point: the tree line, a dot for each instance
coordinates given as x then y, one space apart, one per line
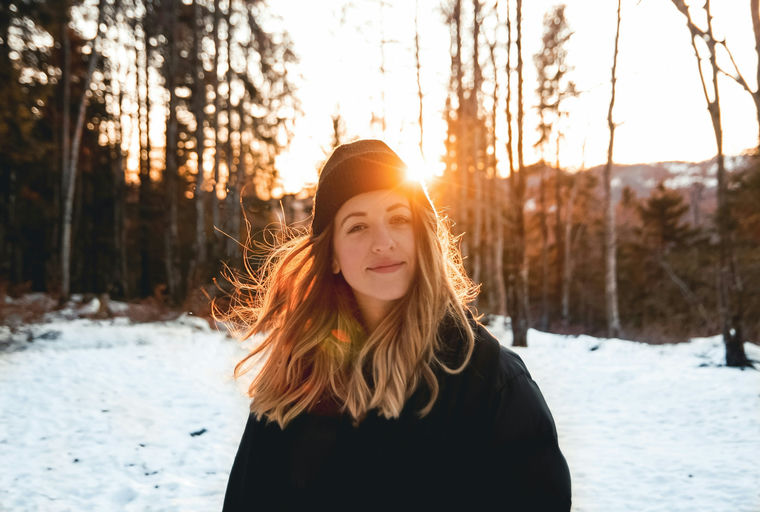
135 136
132 132
554 249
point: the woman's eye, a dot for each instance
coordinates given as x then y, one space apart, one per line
400 219
355 228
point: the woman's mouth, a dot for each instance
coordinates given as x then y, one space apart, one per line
387 268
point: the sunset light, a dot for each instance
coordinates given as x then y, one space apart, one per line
657 80
531 257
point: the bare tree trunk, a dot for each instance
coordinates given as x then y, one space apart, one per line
119 191
143 116
498 195
69 179
383 42
418 67
10 236
11 255
199 104
461 206
66 107
730 287
515 307
477 210
217 105
171 238
476 155
66 125
558 226
610 242
567 269
232 199
520 320
544 228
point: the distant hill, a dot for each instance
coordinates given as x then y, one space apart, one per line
642 178
696 181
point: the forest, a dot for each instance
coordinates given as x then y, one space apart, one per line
138 145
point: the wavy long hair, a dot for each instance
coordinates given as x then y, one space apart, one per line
316 351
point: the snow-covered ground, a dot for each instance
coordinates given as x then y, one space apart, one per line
108 415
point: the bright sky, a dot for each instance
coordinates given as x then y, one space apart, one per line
660 106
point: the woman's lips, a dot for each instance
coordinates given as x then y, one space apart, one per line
384 269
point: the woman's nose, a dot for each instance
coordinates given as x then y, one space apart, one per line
382 239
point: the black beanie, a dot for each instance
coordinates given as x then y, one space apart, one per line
355 168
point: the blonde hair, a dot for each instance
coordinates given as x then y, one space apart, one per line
316 348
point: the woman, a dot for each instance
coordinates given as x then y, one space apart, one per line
379 389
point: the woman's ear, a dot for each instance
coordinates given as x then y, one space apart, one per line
335 266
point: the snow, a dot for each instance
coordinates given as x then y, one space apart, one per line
657 428
111 415
98 415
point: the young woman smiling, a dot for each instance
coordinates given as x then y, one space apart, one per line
378 388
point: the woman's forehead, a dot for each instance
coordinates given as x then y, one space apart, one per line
375 201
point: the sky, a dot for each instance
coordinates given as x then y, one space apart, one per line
146 417
660 108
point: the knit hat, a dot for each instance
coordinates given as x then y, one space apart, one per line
355 168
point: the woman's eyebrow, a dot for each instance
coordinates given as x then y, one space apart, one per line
352 214
364 214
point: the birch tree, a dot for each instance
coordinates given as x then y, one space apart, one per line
610 242
730 287
70 170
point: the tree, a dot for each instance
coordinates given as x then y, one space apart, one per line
498 193
476 167
468 163
567 267
552 90
661 219
70 169
610 243
754 14
745 230
520 306
26 144
200 257
418 67
657 256
461 209
60 92
730 288
143 122
215 216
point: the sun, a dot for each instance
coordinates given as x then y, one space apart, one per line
417 168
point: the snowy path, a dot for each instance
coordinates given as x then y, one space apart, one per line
101 416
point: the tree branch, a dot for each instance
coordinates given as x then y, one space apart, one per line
699 68
739 78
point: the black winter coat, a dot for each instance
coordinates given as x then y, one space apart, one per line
489 443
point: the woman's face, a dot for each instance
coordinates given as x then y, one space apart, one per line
374 249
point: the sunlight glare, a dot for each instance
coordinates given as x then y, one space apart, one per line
417 168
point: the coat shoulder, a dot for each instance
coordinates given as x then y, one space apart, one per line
494 362
491 362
